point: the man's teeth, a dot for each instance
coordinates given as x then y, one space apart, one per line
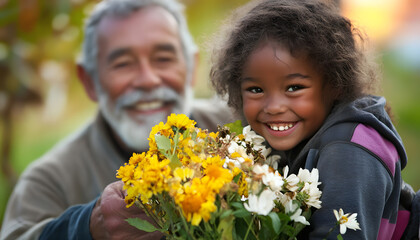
281 127
147 106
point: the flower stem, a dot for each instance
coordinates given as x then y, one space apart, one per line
331 230
184 222
249 227
152 216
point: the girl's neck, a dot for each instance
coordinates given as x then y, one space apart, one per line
293 153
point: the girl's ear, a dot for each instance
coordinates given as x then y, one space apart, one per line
87 82
332 94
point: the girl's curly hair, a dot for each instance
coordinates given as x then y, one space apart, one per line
311 28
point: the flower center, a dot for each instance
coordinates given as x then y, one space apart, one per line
343 219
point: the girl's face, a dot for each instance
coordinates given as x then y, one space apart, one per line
284 98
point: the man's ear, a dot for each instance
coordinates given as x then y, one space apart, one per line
87 82
194 75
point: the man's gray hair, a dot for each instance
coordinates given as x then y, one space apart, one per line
124 8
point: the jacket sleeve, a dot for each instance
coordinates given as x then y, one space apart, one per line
354 179
72 224
40 198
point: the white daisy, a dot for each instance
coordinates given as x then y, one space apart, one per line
296 211
312 195
273 161
261 204
291 182
346 221
252 136
309 176
274 180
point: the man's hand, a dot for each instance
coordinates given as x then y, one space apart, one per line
108 219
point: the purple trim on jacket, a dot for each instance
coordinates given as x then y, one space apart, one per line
369 138
402 222
386 229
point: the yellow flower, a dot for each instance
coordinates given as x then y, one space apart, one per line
196 201
218 175
213 135
184 173
202 134
216 160
162 129
180 121
132 193
136 158
126 172
235 155
196 159
242 183
151 177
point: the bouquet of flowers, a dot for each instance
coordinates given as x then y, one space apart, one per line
196 184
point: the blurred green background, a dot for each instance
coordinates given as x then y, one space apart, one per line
42 101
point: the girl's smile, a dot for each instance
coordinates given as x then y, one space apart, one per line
284 97
281 129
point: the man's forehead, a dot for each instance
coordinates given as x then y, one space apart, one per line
149 26
144 16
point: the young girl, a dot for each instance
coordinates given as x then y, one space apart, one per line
294 69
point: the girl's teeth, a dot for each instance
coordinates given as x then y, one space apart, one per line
281 128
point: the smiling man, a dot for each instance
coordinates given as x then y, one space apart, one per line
138 64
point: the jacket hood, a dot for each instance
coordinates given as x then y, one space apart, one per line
369 110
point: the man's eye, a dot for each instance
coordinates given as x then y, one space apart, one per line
165 58
254 90
122 64
294 88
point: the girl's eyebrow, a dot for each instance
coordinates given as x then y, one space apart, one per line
296 75
247 79
288 77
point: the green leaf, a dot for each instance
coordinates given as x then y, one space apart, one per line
186 133
143 225
237 177
194 135
237 205
164 145
275 222
226 227
339 237
174 162
241 213
226 213
235 127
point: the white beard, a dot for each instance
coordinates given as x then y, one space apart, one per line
134 132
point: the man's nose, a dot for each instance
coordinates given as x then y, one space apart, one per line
147 77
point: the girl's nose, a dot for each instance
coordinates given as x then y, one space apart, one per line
276 104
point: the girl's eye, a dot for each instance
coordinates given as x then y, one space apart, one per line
254 90
294 88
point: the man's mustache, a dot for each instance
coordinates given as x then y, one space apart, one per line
165 94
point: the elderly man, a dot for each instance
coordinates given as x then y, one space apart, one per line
138 63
